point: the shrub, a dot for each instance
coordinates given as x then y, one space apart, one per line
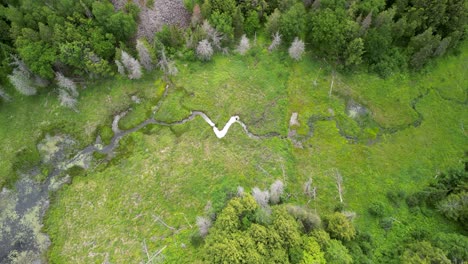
386 223
309 220
377 209
340 227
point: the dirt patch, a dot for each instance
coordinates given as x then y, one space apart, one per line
164 12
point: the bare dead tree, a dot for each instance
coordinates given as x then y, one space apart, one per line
4 95
155 255
339 184
443 45
366 23
308 188
307 3
66 83
276 190
196 15
131 65
215 36
157 218
67 100
240 191
331 85
316 77
204 224
316 4
21 78
120 68
261 197
297 49
144 55
166 65
68 92
244 45
276 42
204 50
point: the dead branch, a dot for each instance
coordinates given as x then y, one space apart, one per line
339 184
331 86
146 249
156 254
157 218
186 220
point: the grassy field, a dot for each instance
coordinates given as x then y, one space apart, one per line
168 174
26 120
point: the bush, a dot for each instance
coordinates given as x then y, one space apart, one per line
386 223
340 227
309 220
377 209
395 197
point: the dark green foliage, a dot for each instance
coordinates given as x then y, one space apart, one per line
448 194
38 55
223 23
171 37
354 52
330 31
77 36
455 245
238 23
252 23
395 197
423 252
422 48
377 209
132 9
455 207
293 23
272 24
386 223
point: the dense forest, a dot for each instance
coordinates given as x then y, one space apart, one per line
83 38
71 53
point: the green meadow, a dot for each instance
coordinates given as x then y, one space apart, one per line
161 178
